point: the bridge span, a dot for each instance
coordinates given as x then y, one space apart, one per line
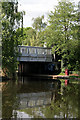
34 60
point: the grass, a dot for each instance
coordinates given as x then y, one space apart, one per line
62 73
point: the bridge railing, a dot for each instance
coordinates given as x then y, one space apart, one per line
37 53
34 50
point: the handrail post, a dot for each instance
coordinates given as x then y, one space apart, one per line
28 51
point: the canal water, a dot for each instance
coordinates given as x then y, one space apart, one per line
28 97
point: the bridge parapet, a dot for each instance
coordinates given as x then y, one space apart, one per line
38 54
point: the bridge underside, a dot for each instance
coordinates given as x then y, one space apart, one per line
26 68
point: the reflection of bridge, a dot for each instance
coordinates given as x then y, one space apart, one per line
34 57
34 54
30 100
35 92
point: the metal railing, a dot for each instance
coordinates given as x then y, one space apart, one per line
28 53
34 50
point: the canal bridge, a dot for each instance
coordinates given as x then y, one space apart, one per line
34 60
34 54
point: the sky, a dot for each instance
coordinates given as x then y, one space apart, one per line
37 8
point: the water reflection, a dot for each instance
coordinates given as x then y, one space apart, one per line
36 93
39 98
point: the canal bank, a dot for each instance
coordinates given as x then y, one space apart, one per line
71 76
56 76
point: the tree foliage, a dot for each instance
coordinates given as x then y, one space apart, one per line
61 34
11 20
33 36
28 37
39 25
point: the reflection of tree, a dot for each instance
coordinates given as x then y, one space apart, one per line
8 99
79 100
66 106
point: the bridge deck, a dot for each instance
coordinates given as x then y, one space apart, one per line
36 54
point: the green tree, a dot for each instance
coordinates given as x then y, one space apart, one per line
11 20
78 37
32 36
60 32
39 25
28 37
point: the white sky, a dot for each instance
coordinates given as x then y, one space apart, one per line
36 8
